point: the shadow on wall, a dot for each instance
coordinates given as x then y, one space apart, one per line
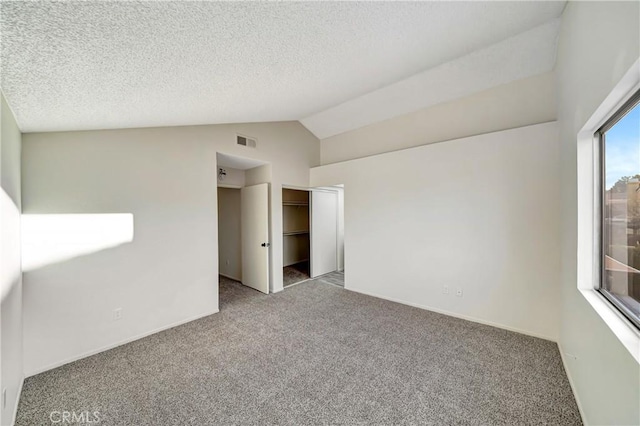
55 238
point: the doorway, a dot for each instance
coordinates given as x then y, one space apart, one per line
243 224
229 234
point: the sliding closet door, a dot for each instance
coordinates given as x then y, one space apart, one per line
324 232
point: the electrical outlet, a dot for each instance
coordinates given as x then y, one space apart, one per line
459 292
117 314
445 289
226 263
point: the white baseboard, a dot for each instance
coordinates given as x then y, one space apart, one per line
120 343
456 315
573 387
15 407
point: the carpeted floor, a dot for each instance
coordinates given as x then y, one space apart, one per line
313 354
295 273
335 278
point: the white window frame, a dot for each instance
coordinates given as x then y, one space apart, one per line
632 103
588 186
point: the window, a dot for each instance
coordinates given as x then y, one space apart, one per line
619 140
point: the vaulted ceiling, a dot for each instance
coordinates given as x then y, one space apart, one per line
335 66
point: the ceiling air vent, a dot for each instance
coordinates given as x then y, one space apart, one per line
245 141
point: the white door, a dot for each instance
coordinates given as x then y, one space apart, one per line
324 232
254 219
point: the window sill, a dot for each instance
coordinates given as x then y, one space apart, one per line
588 222
626 332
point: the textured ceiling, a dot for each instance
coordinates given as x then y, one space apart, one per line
97 65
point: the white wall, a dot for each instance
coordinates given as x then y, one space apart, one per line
258 175
516 104
598 43
166 178
11 372
233 177
229 237
479 213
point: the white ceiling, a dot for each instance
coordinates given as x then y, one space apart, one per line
239 163
97 65
521 56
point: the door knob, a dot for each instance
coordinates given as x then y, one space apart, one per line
266 244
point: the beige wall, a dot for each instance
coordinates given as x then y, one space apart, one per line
11 373
516 104
229 237
233 177
480 214
166 178
258 175
598 43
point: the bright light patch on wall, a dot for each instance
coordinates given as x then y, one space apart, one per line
52 238
9 244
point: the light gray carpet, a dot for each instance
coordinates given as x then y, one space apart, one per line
313 354
335 278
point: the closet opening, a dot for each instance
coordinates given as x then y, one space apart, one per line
296 241
313 234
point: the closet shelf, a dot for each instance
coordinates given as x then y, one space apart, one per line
295 203
295 233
